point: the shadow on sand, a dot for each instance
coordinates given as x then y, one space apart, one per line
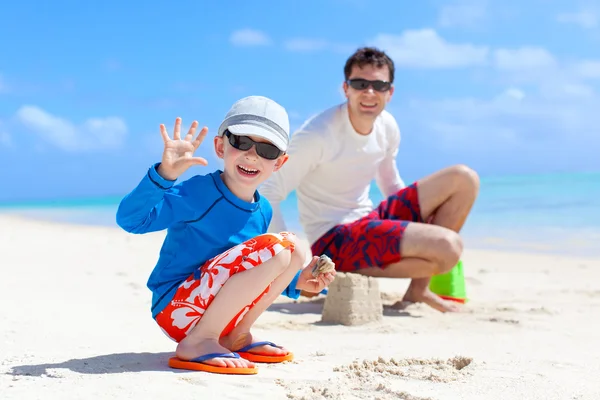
139 362
315 306
105 364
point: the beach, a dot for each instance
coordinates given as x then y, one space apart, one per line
76 324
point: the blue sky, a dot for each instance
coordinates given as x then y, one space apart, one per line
505 88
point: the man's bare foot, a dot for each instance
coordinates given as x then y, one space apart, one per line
187 351
236 341
418 292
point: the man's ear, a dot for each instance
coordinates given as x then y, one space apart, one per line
219 146
280 161
345 87
390 93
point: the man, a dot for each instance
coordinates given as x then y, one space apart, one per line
336 155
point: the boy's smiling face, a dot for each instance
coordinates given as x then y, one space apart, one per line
244 171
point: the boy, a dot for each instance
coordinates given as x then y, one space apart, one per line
218 269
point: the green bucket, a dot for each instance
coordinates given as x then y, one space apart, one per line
451 285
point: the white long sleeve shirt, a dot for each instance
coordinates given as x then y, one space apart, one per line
331 167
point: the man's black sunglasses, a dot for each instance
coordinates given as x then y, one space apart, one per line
244 143
362 84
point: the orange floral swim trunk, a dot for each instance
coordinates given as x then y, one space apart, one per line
194 295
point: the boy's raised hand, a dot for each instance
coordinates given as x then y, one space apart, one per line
178 154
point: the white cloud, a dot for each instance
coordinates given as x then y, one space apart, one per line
426 49
249 37
586 19
550 77
577 90
547 109
509 121
413 48
588 69
94 133
537 68
524 58
463 13
514 93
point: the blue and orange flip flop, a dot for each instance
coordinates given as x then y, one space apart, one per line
197 364
263 358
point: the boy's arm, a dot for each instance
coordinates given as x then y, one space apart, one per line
291 290
153 205
388 177
305 152
315 286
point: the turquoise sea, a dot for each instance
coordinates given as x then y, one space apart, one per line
553 213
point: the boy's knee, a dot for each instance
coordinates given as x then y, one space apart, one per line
300 246
282 259
298 252
301 252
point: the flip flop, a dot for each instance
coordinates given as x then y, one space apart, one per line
263 358
197 364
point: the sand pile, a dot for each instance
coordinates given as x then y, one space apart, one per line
380 379
436 370
352 300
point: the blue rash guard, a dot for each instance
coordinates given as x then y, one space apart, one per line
203 218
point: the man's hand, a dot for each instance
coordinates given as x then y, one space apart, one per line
309 283
178 154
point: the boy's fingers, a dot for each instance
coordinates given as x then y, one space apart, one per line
327 278
177 129
164 133
199 161
200 138
191 131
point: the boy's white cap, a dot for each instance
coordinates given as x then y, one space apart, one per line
258 116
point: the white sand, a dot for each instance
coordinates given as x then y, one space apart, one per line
75 324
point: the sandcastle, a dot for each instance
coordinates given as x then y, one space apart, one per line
352 299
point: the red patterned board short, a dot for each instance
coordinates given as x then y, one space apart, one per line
194 295
373 240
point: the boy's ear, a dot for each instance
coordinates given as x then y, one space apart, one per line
219 146
280 161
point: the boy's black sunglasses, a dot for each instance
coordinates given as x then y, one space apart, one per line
244 143
362 84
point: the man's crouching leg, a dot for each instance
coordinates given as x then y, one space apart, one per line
424 250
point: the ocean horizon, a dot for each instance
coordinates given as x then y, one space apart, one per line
555 213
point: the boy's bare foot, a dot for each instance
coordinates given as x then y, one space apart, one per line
187 351
236 341
418 292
